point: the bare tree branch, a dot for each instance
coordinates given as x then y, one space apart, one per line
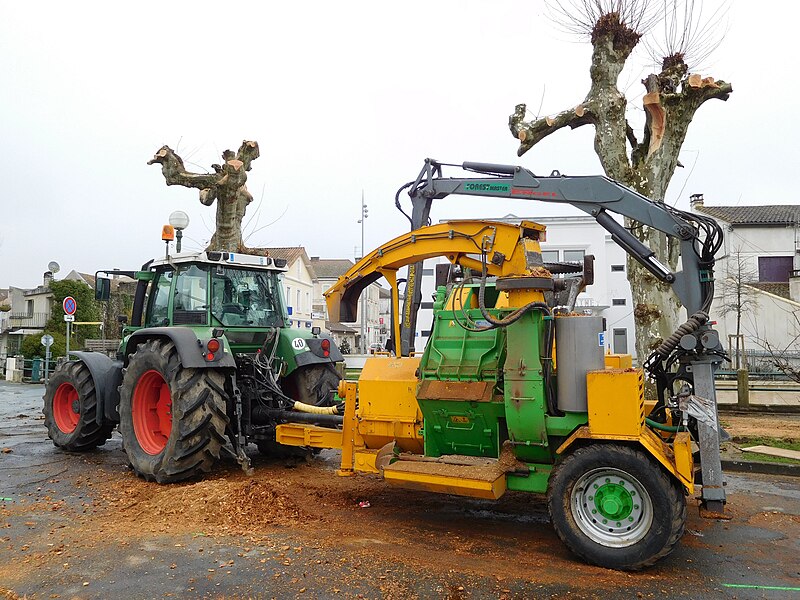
671 99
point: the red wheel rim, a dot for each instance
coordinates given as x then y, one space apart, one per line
152 412
66 407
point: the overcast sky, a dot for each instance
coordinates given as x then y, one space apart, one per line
341 97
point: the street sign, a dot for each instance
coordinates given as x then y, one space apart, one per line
70 306
47 340
69 318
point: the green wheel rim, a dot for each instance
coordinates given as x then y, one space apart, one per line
611 507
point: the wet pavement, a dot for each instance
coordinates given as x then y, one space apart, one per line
59 537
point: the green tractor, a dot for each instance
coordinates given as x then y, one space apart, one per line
209 363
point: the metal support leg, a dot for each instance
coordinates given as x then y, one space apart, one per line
713 493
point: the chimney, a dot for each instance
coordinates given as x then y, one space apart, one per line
695 201
47 278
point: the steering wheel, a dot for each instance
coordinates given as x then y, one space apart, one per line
233 307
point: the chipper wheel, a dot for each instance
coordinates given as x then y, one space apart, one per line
615 507
70 409
172 419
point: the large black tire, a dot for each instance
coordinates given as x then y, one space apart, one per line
615 507
313 384
70 409
172 419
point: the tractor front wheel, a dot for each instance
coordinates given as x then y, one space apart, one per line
70 409
615 507
172 419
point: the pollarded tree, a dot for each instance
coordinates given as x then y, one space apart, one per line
227 185
672 97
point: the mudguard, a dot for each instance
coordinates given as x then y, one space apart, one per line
186 343
107 377
299 349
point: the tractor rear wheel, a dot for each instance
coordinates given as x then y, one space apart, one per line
615 507
70 409
313 384
172 419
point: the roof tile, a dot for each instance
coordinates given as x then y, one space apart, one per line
768 215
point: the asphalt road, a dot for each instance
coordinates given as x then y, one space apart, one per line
83 526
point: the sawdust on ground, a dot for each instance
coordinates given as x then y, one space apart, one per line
762 425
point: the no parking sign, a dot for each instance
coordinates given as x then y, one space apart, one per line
70 306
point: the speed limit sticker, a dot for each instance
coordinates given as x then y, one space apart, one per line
299 344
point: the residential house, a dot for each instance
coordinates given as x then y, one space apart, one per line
328 272
298 286
30 311
757 278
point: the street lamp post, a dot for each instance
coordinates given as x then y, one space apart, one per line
180 221
364 215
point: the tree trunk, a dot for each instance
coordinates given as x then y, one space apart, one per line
670 102
227 185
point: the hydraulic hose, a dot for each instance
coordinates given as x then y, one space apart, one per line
662 426
695 322
316 410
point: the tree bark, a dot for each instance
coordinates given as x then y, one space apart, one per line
670 103
227 185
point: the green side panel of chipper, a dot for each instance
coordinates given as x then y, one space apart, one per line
458 392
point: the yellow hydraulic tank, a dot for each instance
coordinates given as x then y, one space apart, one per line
387 403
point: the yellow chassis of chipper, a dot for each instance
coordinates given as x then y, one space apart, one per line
383 424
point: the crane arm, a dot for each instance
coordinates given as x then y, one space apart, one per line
596 195
506 246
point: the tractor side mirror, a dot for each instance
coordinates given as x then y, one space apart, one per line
102 288
315 331
122 319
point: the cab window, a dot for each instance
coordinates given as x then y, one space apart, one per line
190 303
158 310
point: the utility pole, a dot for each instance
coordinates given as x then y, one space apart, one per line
364 215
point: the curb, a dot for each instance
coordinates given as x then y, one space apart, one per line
759 409
765 468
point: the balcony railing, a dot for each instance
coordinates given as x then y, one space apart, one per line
35 320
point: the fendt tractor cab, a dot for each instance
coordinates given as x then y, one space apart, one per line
210 362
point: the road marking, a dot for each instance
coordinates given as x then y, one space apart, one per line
761 587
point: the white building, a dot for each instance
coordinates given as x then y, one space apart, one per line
759 261
298 286
327 273
30 311
569 239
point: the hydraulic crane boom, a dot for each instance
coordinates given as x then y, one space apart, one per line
596 195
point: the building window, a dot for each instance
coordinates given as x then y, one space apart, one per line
573 255
426 305
618 302
618 268
29 308
426 333
774 268
427 272
549 256
299 307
